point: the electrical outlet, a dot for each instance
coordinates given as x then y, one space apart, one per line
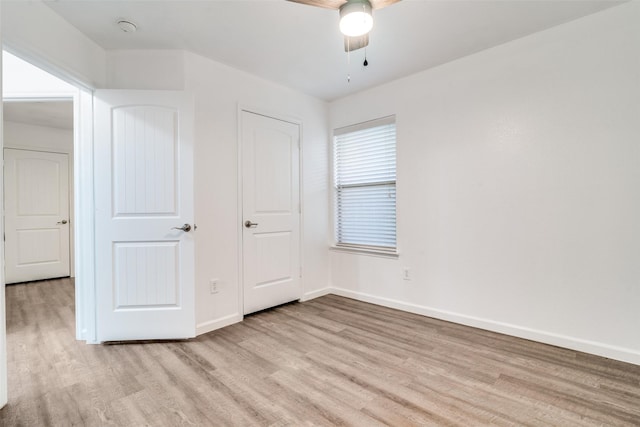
213 286
406 273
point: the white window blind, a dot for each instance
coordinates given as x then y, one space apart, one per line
365 185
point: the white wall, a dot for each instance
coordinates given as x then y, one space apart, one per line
518 188
219 91
34 137
34 31
138 69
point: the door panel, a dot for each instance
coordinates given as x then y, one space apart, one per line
37 246
36 215
144 160
139 264
273 258
144 193
271 201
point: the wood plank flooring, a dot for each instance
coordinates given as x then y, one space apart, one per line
330 361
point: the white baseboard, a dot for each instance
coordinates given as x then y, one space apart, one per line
316 294
212 325
592 347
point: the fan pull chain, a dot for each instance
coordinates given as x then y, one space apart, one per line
348 59
364 13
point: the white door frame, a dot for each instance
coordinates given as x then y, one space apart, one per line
284 118
83 206
84 211
82 190
3 316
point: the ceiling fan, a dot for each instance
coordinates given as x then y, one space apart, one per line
356 18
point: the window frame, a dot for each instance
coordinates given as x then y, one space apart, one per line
383 251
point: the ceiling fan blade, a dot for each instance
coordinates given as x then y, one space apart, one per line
335 4
327 4
379 4
355 43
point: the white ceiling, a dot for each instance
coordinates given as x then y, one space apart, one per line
57 114
300 46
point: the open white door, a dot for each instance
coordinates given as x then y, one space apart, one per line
36 218
143 195
271 211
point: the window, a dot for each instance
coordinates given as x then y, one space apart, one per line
365 185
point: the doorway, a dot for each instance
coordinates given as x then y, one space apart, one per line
26 86
25 82
38 172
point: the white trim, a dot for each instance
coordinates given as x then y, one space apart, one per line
84 212
592 347
316 294
240 212
212 325
48 64
3 336
301 205
3 316
363 250
288 119
40 150
267 113
39 97
382 121
331 189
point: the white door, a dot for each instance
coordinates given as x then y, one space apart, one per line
36 215
143 195
271 211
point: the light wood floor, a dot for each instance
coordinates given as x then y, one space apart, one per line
330 361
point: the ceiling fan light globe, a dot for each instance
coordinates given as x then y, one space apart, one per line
356 18
356 24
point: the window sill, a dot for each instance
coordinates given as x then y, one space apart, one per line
365 251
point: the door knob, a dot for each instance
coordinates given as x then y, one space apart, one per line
186 228
64 221
250 224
